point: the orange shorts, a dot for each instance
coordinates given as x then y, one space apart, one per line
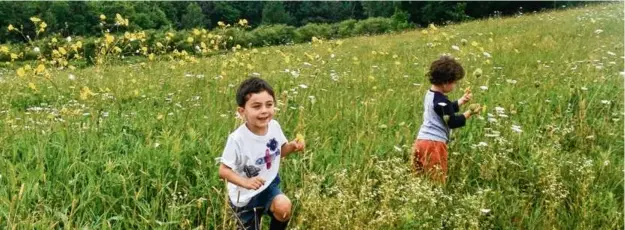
431 157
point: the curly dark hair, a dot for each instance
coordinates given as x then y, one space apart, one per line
252 85
445 70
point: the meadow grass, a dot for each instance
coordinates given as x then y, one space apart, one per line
138 148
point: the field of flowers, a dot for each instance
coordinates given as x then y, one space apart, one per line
134 145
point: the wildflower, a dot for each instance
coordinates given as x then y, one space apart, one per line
477 72
36 49
312 99
102 17
605 102
21 72
456 48
516 128
303 86
11 28
487 55
484 88
85 92
299 138
71 77
32 86
598 31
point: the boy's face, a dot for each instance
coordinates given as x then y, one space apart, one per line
258 109
448 87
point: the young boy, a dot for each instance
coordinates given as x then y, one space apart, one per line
251 159
439 117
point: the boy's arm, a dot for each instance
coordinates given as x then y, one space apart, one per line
445 109
456 106
290 147
228 174
230 159
286 149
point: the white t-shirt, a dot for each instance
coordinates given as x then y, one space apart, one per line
247 154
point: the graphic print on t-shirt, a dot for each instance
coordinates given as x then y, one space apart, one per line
271 153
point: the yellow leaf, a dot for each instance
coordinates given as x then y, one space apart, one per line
79 44
21 72
151 57
190 40
102 17
11 27
43 25
136 92
159 117
35 19
54 40
13 56
4 49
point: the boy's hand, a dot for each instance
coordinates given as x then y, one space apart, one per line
253 183
474 109
466 97
299 143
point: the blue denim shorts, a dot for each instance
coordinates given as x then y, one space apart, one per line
249 215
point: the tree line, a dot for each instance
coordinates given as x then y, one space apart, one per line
83 18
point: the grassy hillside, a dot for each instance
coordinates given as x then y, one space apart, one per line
134 146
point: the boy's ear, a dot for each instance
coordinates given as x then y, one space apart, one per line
240 110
